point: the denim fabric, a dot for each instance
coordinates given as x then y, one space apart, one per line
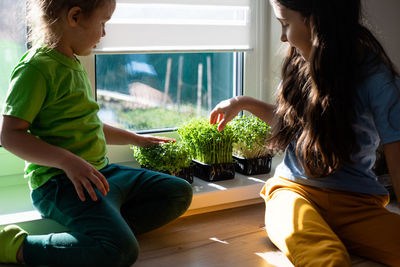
103 232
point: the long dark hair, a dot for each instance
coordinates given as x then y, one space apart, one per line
315 102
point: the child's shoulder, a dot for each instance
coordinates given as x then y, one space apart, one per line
378 83
36 59
376 75
36 55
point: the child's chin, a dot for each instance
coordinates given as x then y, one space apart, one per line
85 53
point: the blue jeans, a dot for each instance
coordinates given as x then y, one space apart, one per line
103 232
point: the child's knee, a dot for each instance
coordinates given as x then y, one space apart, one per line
185 193
122 253
130 254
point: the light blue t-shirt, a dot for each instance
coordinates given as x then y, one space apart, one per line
378 120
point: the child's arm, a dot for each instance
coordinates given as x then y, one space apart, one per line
117 136
16 139
226 110
392 156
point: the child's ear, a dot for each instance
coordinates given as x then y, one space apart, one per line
74 15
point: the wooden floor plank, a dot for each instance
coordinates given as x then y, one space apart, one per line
234 238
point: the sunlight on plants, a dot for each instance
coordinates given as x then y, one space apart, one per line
251 136
205 143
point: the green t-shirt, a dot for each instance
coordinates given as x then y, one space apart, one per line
53 93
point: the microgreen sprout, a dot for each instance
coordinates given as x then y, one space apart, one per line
170 157
205 143
251 137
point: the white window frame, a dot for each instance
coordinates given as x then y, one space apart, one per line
261 65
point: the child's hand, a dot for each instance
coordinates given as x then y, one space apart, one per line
224 112
84 176
145 141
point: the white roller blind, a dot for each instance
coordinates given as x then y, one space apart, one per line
179 25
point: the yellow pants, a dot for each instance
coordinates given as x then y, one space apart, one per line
319 227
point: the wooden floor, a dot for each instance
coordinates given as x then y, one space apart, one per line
233 238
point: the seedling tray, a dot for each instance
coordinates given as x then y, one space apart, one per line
185 173
214 172
252 166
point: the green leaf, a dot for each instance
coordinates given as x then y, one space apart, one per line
251 137
171 157
205 143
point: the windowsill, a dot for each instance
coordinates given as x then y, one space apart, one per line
212 196
243 190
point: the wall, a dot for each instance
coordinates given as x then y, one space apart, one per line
383 18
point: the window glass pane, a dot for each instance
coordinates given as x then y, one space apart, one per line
12 40
158 91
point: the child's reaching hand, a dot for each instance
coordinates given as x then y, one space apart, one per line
146 140
224 112
117 136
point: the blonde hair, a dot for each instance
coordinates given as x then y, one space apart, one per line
43 18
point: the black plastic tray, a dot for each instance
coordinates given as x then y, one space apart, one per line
253 166
214 172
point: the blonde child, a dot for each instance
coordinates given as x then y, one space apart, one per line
338 99
50 120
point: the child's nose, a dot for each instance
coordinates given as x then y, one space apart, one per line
283 38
